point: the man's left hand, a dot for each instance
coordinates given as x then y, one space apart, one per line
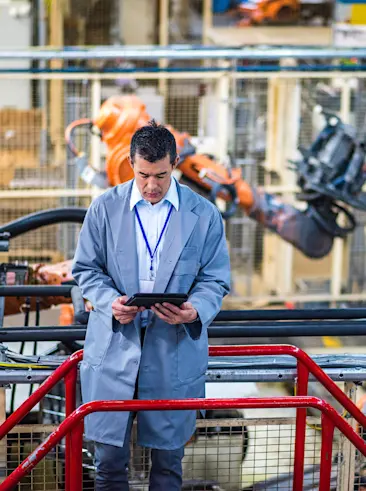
175 315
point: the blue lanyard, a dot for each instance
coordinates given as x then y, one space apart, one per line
152 254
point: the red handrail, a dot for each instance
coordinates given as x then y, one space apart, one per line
68 371
61 372
305 365
74 424
308 364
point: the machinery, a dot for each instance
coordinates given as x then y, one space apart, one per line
330 172
258 12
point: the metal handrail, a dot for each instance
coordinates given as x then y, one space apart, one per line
305 366
68 371
73 426
282 350
180 53
265 329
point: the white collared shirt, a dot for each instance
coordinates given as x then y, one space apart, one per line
153 218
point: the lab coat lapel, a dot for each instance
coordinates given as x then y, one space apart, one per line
127 248
179 230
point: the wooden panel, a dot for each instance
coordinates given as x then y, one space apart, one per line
280 36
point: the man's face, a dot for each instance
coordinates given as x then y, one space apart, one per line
153 179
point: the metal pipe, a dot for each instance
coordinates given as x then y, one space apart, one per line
36 291
284 314
76 458
250 330
300 435
202 69
73 422
180 53
42 84
257 318
326 453
279 375
42 218
70 406
288 329
213 375
52 333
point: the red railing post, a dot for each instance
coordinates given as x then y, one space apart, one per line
76 463
70 406
326 453
300 434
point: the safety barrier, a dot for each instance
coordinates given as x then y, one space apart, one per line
66 371
305 366
73 426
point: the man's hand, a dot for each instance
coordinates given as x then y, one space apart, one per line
175 315
122 313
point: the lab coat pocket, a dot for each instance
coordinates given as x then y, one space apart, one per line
192 355
97 340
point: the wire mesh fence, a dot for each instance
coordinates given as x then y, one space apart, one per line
227 454
246 120
49 244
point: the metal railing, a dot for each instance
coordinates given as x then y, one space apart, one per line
239 329
66 371
181 53
305 366
73 426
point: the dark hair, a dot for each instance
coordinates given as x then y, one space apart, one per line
153 142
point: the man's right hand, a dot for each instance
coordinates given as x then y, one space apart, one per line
122 313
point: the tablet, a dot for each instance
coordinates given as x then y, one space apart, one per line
150 299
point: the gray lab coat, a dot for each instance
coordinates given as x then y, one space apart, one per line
174 359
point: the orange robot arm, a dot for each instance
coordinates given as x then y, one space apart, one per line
121 116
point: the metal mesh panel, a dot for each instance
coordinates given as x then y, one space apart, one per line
358 466
356 242
249 135
317 92
33 152
47 244
48 474
91 23
182 105
247 145
33 155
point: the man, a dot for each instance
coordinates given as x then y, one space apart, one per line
148 235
